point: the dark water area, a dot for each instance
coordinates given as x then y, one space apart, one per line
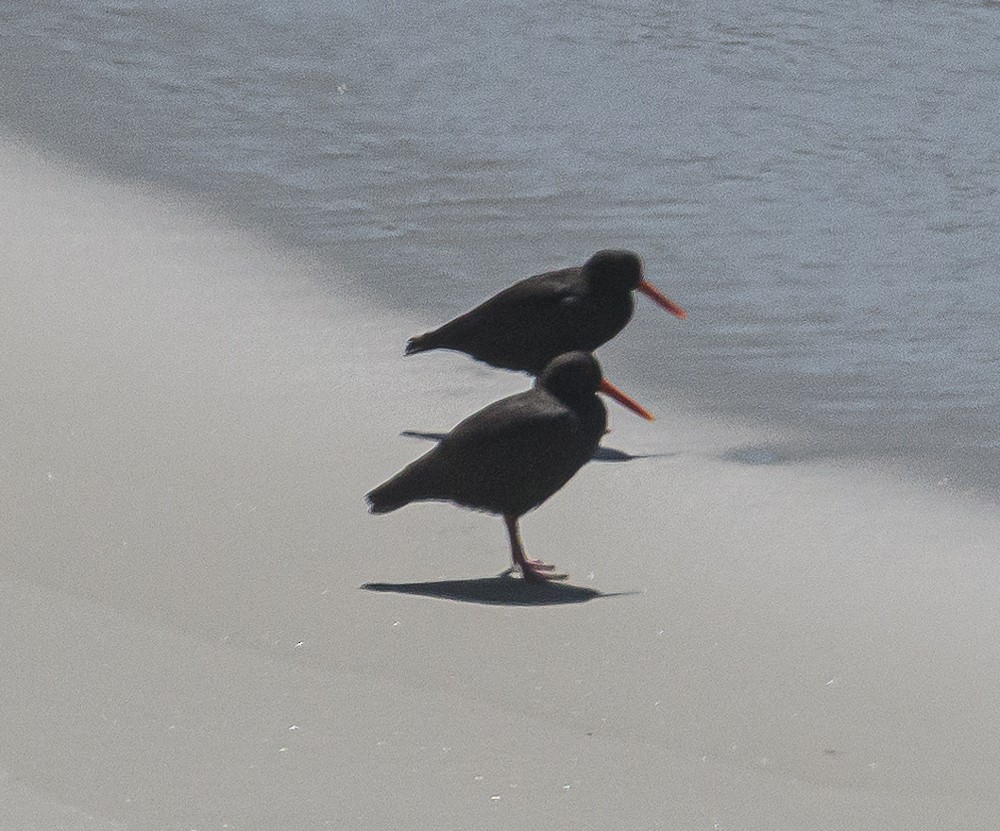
818 185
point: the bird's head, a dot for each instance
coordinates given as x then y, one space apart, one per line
612 271
573 376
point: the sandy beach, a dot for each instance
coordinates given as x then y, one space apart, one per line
192 417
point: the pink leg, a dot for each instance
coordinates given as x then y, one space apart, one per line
533 570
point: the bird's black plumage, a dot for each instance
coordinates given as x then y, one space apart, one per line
512 455
528 324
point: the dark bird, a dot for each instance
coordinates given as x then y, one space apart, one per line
528 324
512 455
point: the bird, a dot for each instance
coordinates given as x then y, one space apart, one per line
529 323
512 455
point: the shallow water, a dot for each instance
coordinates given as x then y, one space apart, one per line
818 185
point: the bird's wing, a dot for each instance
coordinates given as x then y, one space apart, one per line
513 443
531 416
521 327
542 295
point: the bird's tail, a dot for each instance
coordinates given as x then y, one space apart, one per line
388 496
421 343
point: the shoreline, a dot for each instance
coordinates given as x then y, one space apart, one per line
196 419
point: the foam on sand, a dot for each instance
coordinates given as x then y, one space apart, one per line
191 421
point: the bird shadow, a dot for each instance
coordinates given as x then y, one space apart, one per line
502 590
602 454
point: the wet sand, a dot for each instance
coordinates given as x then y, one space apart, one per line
201 626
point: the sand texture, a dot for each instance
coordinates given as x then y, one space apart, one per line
191 419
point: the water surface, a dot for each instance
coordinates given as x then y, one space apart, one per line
817 184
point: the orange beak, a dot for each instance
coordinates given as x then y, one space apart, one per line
612 391
660 299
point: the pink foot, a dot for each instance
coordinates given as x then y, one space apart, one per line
539 573
538 564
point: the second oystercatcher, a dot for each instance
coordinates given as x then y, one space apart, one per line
528 324
512 455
